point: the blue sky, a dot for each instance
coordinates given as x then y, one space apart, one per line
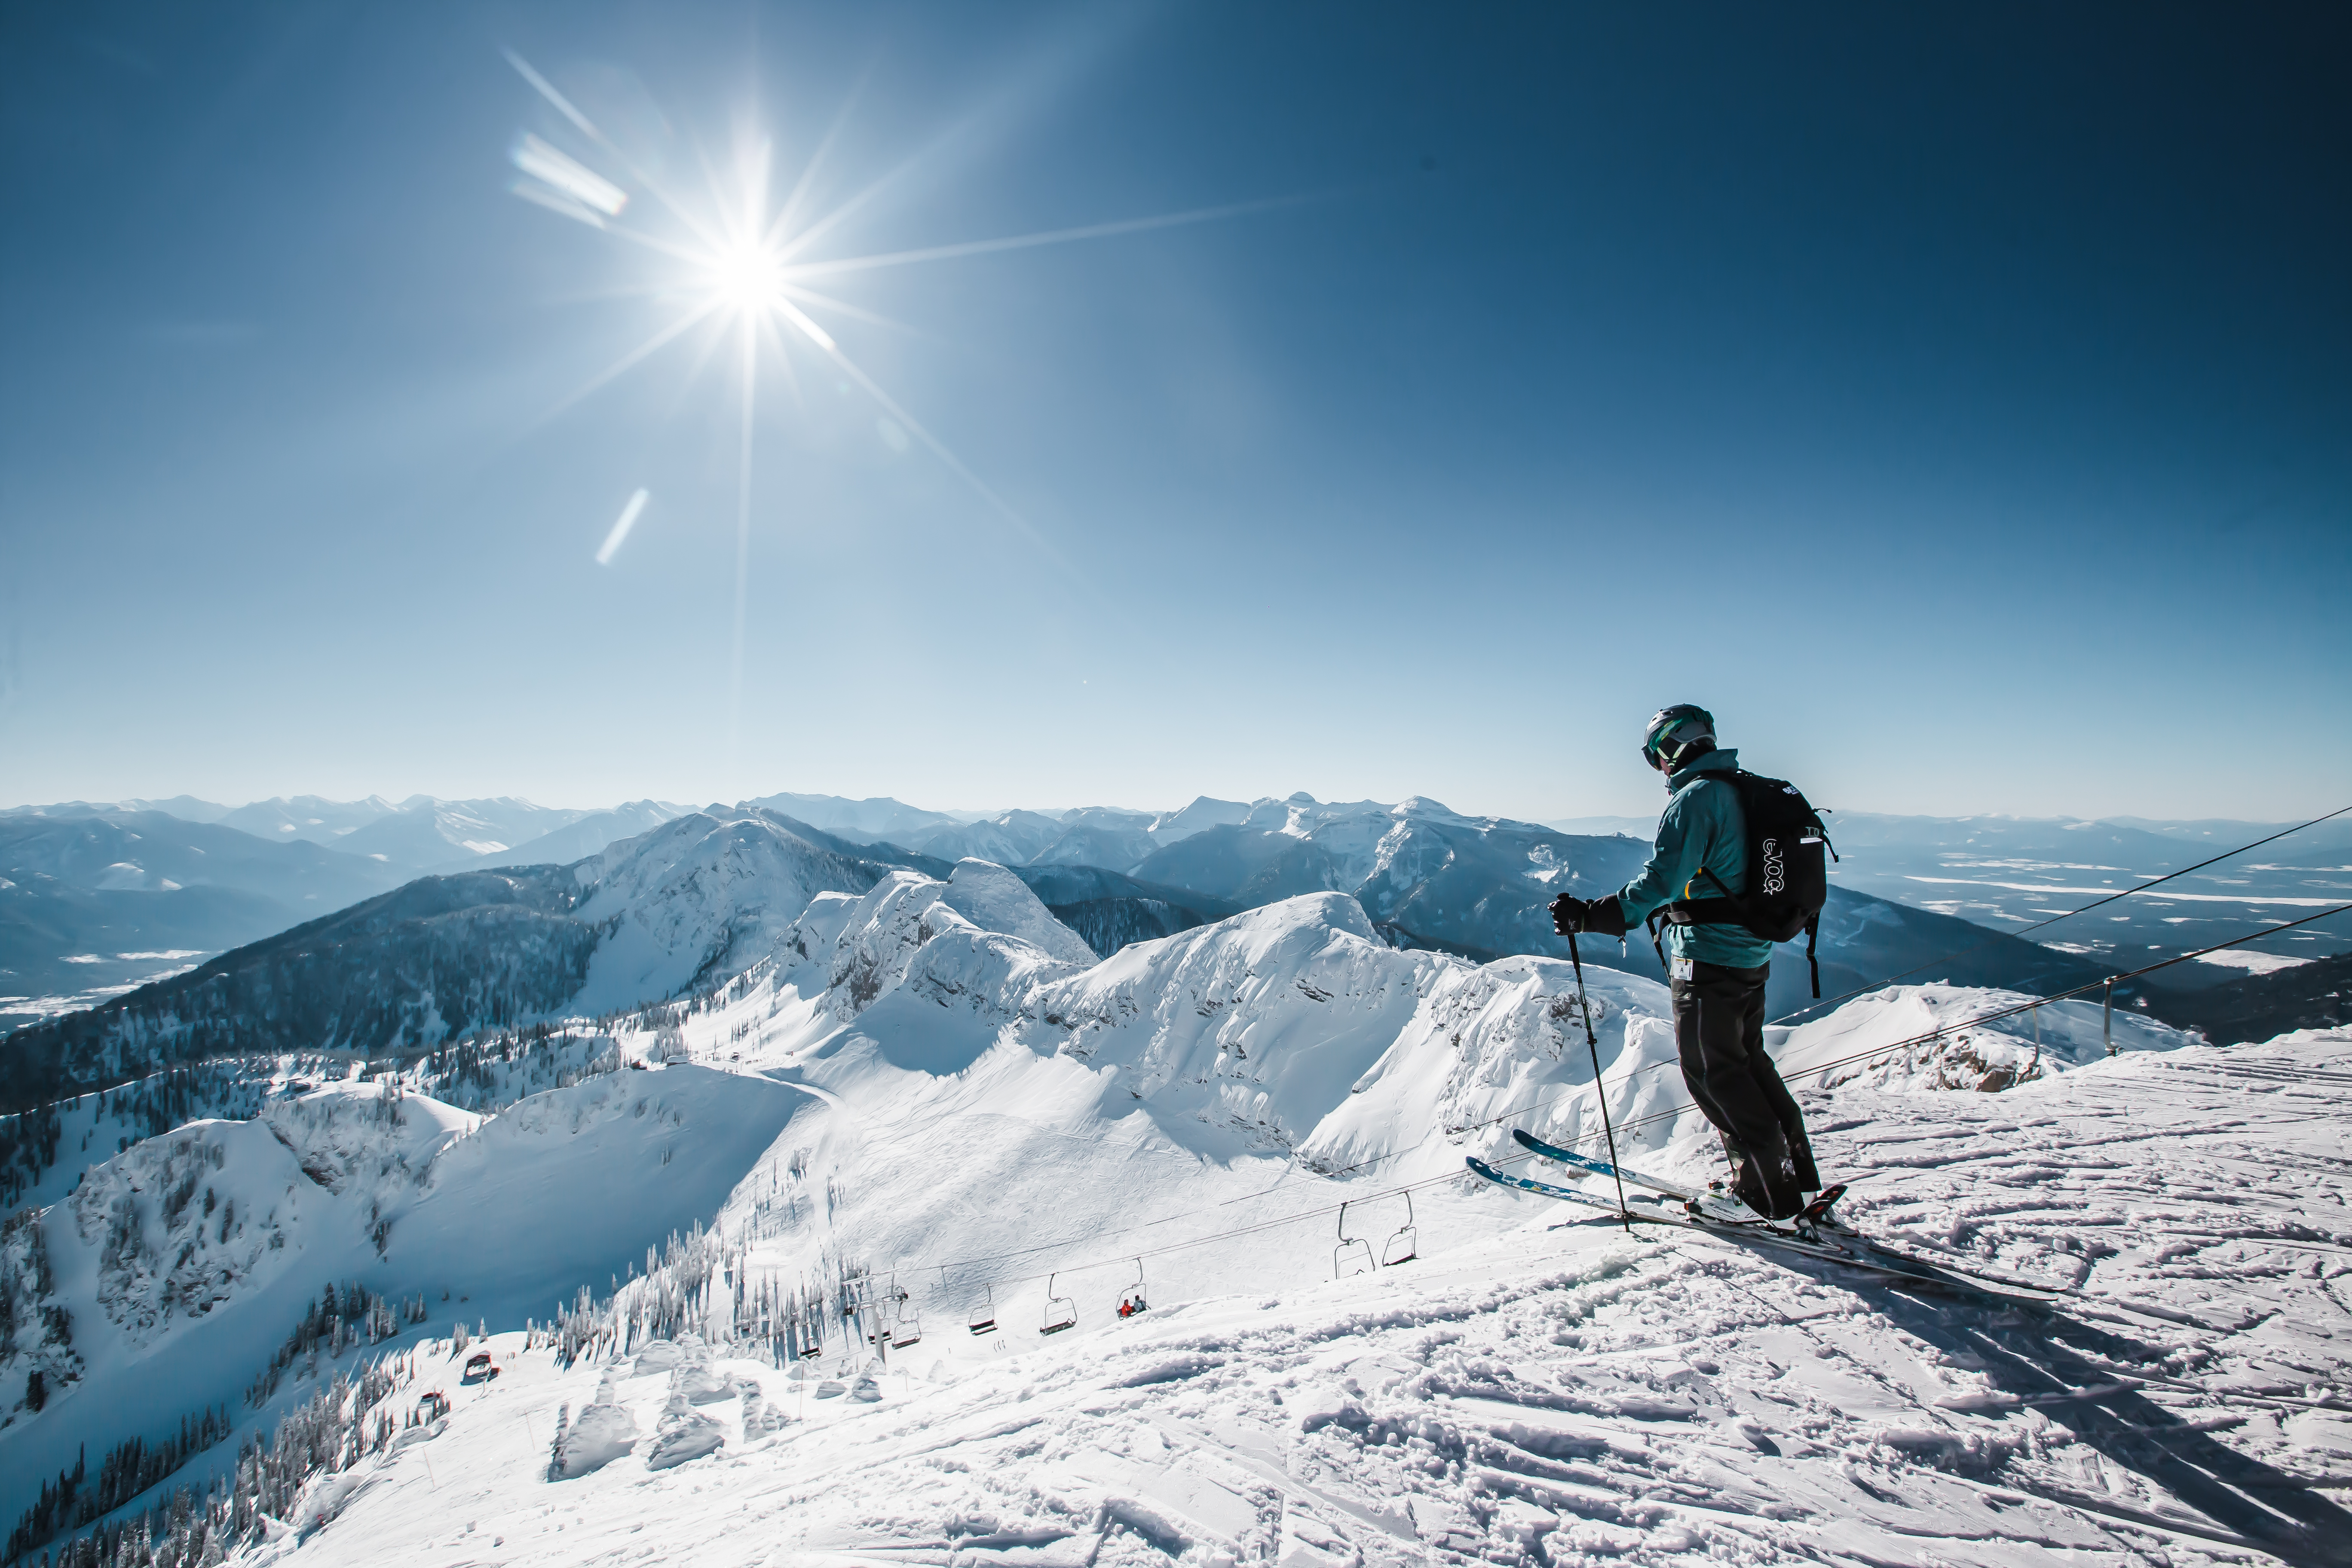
1957 403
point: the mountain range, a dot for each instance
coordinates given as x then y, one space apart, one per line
101 898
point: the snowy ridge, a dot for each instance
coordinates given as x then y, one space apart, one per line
688 902
694 897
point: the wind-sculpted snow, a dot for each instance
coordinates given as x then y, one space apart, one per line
598 1435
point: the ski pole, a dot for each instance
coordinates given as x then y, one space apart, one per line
1592 1043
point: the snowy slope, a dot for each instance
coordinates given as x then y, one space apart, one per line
912 1077
994 900
1528 1395
178 1300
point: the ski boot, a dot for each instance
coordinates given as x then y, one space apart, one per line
1721 1205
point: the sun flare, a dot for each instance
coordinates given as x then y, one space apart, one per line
736 257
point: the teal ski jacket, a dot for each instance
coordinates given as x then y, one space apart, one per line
1702 826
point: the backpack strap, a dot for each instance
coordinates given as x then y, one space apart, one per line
1703 912
1730 910
1812 931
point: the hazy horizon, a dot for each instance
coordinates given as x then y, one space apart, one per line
976 812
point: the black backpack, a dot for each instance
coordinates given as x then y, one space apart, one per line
1788 872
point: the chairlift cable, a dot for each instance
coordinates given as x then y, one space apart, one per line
2068 915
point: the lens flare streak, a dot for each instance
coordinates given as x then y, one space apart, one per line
744 265
627 520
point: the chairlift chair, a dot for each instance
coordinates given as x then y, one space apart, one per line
1133 1303
1351 1250
1405 1245
1061 1312
982 1317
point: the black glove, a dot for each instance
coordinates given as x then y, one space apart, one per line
1605 917
1602 917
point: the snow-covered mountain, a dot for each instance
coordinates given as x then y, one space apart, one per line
1204 813
1102 836
928 1079
443 955
473 949
870 821
154 851
588 836
1009 838
311 818
186 807
422 833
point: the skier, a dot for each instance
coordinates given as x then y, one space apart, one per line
1717 970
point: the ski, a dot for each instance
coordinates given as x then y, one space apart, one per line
1761 1233
1714 1206
1542 1189
1600 1167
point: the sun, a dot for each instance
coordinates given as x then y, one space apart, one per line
747 278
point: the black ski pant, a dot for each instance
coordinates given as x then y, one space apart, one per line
1719 1034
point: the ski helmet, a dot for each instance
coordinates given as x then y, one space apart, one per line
1677 736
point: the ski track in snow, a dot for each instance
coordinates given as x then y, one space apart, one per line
1555 1393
